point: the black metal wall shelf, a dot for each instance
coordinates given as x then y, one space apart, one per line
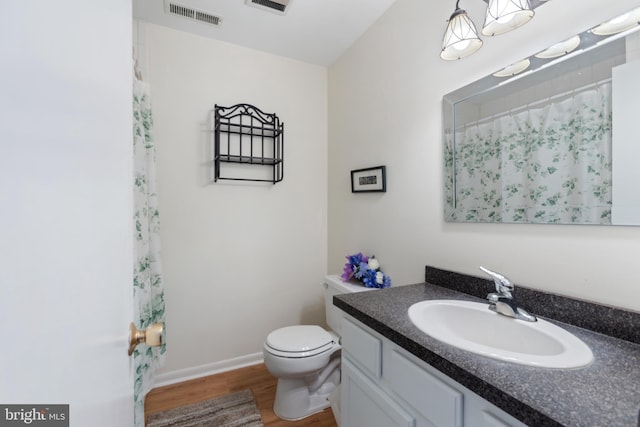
245 135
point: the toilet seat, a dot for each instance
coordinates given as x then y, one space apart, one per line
299 341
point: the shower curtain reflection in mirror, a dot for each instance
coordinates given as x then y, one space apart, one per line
547 163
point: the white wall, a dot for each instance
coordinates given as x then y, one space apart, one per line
239 260
385 108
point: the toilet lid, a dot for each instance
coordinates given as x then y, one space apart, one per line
299 341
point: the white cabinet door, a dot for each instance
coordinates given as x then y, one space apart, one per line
434 397
364 404
480 413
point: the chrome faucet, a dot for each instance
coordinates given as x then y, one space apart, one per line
503 301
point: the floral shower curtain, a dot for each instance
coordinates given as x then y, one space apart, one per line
510 169
148 291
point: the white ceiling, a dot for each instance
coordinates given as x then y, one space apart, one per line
314 31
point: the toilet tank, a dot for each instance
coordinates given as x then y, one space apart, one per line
333 285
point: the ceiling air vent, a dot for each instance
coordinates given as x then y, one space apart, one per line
190 13
278 6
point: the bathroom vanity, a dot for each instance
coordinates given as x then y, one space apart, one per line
393 374
385 385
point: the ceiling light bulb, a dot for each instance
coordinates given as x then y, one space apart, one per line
461 45
505 19
506 15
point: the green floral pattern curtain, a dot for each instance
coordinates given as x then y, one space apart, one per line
544 165
147 280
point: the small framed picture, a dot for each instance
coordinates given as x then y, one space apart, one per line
369 180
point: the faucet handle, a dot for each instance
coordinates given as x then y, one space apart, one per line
503 285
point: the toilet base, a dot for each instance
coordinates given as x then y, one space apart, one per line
293 401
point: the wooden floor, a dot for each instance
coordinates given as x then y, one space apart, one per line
256 378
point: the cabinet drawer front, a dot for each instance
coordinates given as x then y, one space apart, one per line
363 347
366 405
440 403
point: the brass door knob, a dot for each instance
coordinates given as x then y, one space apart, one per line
152 336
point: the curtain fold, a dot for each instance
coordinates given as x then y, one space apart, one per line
148 293
543 165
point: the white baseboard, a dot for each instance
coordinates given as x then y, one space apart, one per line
187 374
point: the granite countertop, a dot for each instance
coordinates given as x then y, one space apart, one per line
604 393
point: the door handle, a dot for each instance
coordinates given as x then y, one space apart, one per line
152 336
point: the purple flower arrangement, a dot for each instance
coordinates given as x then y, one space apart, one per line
367 270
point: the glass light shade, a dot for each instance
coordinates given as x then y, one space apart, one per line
460 38
506 15
619 24
513 69
560 49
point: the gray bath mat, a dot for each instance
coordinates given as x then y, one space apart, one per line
231 410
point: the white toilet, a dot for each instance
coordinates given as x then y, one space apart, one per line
306 360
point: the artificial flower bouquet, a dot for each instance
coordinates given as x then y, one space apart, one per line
366 269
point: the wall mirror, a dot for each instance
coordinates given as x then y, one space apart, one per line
551 139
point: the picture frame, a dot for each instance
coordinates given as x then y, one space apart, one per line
369 180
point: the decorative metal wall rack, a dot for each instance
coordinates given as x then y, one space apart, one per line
245 135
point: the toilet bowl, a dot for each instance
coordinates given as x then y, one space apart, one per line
306 360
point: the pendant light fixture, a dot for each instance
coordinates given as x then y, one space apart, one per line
461 37
506 15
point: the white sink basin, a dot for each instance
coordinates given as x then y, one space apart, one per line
473 327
